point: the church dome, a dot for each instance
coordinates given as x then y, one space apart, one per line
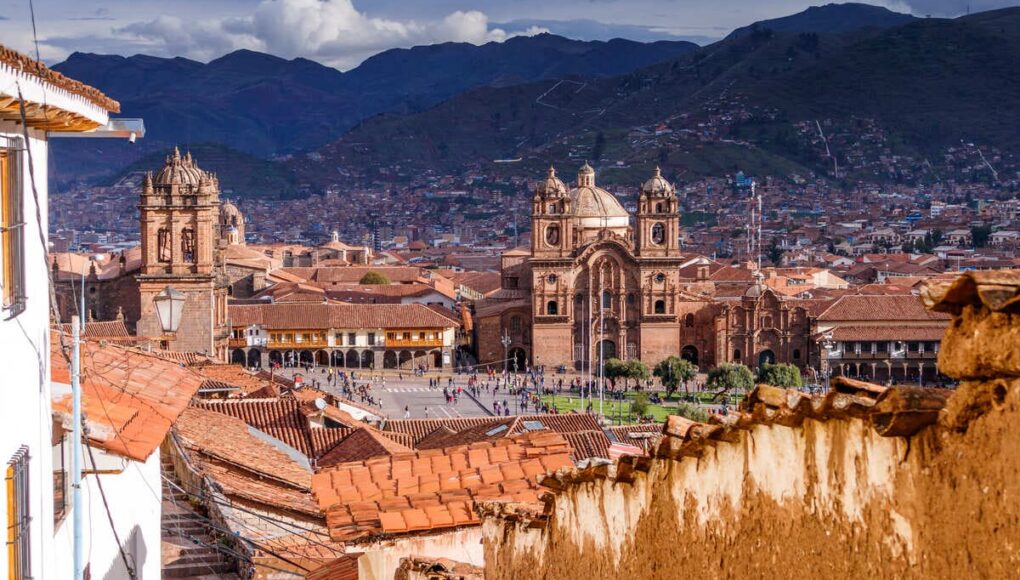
595 206
179 170
552 186
657 185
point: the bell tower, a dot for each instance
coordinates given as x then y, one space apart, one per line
179 211
658 219
551 230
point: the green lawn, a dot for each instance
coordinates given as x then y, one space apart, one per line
612 409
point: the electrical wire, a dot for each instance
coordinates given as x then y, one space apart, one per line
278 523
102 493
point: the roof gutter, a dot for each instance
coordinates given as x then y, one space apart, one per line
120 128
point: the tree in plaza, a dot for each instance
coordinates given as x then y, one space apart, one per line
673 372
730 376
615 368
636 370
780 375
639 405
373 277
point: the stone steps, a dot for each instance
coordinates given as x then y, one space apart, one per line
188 548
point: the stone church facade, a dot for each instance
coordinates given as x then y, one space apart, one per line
598 283
183 232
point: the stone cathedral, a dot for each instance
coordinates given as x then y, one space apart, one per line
598 282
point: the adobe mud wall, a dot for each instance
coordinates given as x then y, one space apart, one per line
822 499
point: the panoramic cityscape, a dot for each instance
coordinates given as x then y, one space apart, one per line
456 289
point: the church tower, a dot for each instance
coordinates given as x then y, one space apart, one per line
551 226
179 211
658 219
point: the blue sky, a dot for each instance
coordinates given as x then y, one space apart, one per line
342 33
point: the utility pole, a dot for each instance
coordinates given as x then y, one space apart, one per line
76 503
602 337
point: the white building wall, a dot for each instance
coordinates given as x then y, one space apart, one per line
24 384
134 495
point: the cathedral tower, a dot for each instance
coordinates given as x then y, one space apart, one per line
179 210
551 226
658 219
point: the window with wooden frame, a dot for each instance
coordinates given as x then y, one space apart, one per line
19 563
12 228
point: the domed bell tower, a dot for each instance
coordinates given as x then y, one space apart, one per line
179 212
551 228
658 219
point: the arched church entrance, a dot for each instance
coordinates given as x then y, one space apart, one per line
689 353
605 350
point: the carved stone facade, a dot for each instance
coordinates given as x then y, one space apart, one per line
598 283
180 230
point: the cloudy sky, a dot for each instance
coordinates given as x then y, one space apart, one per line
342 33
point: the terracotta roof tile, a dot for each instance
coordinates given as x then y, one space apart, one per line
440 493
130 398
228 439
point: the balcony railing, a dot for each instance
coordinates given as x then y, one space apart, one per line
237 342
298 344
411 343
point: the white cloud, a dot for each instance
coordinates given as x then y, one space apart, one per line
330 31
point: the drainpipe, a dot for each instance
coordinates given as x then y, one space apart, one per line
76 503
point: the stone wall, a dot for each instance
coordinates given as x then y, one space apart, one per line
864 482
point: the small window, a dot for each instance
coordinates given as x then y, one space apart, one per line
689 321
658 234
631 298
736 354
188 245
19 563
607 299
551 278
371 339
796 354
551 308
515 324
660 306
407 336
352 338
421 336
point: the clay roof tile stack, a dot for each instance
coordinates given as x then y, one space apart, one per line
434 489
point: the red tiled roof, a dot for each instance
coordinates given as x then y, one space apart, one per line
229 439
282 419
897 332
421 428
884 308
363 443
644 436
316 316
31 66
434 489
130 398
588 444
100 329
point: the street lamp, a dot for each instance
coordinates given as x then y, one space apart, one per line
169 305
826 349
505 341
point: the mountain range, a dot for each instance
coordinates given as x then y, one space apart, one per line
267 106
930 81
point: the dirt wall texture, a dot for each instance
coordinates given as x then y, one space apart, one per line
797 488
